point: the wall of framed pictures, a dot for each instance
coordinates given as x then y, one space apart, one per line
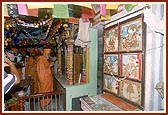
124 60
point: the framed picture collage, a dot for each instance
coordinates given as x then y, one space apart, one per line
124 60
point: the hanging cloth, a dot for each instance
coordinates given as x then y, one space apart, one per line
111 6
103 9
13 10
40 5
74 11
153 23
5 10
87 13
45 13
107 16
33 12
61 11
83 38
23 9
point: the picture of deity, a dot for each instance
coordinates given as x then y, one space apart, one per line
110 84
111 40
131 91
111 64
131 66
131 36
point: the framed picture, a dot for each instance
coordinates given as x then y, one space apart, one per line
131 65
111 64
131 91
111 39
110 84
131 35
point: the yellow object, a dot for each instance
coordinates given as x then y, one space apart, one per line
87 65
84 5
111 6
107 17
34 5
5 10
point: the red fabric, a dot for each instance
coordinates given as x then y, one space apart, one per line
74 20
87 12
33 12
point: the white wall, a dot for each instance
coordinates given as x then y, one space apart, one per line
155 71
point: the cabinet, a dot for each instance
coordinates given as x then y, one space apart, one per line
90 88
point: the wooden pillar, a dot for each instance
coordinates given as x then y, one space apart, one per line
88 65
59 62
84 66
21 104
70 43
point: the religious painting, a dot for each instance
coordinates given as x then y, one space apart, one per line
131 90
111 39
111 64
110 84
131 65
131 35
